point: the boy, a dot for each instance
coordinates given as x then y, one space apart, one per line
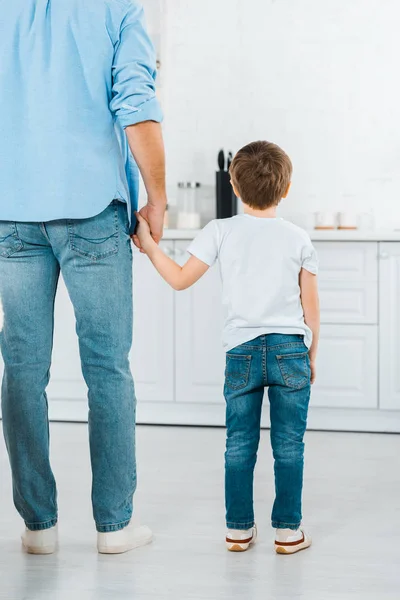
268 269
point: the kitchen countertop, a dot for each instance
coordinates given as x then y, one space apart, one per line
379 235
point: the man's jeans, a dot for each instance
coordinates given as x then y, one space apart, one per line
95 258
280 362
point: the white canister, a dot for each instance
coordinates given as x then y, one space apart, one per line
188 205
347 220
188 220
325 220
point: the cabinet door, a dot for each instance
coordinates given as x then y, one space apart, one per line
348 282
153 340
200 359
151 357
347 375
389 342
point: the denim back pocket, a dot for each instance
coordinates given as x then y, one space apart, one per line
237 371
9 240
295 369
98 237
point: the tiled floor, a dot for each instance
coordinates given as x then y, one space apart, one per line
352 508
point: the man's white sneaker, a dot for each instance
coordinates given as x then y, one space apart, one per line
44 541
240 540
118 542
288 541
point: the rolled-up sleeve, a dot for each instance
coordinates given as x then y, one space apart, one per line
134 72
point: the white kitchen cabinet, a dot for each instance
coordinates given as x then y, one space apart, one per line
178 360
389 338
153 341
347 374
200 358
152 351
348 282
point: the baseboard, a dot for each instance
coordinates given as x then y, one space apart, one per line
160 413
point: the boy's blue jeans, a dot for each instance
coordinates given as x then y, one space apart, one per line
95 258
280 362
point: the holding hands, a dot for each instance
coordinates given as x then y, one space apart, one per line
149 228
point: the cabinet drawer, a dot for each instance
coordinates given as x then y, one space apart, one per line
348 282
347 369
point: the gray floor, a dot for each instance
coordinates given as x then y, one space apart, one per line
352 509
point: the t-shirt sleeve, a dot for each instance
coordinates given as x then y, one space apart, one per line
309 259
205 246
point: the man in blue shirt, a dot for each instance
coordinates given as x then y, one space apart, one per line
77 89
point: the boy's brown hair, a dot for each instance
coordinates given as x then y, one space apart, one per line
261 172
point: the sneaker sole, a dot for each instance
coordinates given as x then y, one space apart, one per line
293 549
238 547
124 549
39 550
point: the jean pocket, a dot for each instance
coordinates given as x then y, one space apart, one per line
98 237
295 369
9 240
237 371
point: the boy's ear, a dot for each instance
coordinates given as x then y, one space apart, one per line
285 195
234 190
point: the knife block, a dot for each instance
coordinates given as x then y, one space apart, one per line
226 199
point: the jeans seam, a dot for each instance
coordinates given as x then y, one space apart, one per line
264 366
113 527
27 523
288 345
246 525
279 525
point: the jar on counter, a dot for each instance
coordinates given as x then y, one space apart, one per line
188 205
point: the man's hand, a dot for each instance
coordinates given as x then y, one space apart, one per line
142 237
313 371
154 215
147 146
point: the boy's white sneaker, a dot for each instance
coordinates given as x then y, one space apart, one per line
44 541
119 542
240 540
288 541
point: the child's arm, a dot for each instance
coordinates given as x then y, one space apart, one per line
310 302
180 278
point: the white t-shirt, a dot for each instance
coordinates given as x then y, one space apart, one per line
260 262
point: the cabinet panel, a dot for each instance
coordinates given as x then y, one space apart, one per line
153 341
348 261
200 358
348 282
347 375
152 356
389 338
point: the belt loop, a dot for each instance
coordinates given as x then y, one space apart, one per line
42 227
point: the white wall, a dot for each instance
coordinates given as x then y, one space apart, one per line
319 77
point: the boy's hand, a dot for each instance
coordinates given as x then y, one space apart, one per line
142 237
313 365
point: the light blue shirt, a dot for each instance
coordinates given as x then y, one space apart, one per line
73 75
